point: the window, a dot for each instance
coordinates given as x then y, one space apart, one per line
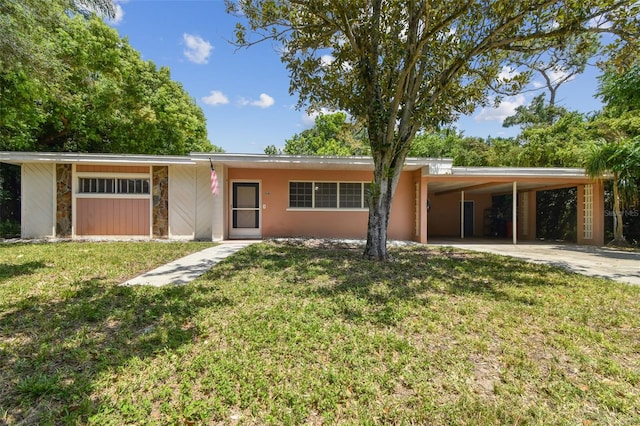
329 195
301 194
326 195
113 186
350 195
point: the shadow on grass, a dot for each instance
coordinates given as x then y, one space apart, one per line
58 348
10 270
416 274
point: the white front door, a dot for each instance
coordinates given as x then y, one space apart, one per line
245 210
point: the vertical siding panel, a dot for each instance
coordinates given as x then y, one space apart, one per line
125 214
105 218
112 216
38 200
129 217
79 213
182 189
204 201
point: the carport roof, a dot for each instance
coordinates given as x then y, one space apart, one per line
497 180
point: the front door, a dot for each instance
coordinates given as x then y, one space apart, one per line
245 210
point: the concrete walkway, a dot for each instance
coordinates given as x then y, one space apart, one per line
188 268
604 262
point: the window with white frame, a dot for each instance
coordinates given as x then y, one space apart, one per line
328 195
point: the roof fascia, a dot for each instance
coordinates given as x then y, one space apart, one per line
519 172
15 157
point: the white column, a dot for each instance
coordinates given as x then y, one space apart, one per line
514 214
462 214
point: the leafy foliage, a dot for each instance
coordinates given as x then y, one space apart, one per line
28 29
557 145
536 114
332 134
102 96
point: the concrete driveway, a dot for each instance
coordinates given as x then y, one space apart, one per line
605 262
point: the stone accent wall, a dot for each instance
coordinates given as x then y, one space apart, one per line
63 200
160 201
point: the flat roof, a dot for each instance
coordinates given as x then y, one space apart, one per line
235 160
433 168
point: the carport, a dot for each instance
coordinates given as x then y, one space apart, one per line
459 203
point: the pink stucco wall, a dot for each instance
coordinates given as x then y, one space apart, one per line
280 221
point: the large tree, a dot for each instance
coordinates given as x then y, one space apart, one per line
102 98
401 66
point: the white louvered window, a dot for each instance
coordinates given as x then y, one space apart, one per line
89 185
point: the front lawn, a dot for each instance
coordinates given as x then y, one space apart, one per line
308 333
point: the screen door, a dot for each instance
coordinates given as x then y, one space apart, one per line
245 210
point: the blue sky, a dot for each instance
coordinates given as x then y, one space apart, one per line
245 93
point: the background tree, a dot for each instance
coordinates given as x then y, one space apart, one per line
28 25
402 66
556 145
103 98
538 113
332 134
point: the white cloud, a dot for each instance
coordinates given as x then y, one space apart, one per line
216 97
507 74
538 84
198 49
326 60
265 101
506 108
309 119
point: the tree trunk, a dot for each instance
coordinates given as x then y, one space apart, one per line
386 178
618 225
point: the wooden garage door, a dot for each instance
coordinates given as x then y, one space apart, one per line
112 216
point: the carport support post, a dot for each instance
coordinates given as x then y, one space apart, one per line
514 214
462 215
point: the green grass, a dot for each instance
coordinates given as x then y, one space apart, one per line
295 333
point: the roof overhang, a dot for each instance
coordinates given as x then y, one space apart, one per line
12 157
305 162
249 161
498 180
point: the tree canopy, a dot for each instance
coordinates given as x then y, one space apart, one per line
101 96
402 66
332 134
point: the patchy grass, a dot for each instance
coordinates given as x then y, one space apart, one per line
288 333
